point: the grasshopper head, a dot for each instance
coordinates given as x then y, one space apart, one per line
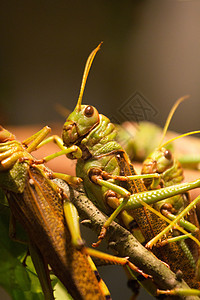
158 162
79 123
84 117
5 135
161 159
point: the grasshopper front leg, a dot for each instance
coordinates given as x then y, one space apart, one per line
14 150
73 151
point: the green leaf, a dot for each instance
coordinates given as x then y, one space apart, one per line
19 281
61 292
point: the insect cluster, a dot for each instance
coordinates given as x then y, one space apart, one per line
152 209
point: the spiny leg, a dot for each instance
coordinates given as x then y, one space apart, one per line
123 261
184 223
102 284
150 197
175 221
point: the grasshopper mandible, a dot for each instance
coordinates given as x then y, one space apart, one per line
38 199
111 183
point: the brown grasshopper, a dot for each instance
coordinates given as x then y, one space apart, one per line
38 200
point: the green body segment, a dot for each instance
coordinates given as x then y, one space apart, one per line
100 149
37 203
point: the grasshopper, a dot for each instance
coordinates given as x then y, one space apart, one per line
111 182
162 161
38 199
140 140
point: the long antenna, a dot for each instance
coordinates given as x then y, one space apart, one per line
171 113
85 74
180 136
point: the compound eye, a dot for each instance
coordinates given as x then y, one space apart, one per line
89 110
168 155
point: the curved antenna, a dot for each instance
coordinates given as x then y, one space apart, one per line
171 113
180 136
85 75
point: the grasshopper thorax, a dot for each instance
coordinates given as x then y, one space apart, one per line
79 123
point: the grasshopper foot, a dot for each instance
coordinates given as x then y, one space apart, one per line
100 237
136 269
158 244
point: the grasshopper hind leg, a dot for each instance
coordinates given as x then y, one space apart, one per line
102 284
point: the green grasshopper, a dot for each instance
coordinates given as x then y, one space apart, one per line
140 140
161 161
111 183
38 199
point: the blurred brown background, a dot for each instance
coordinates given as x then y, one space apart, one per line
151 49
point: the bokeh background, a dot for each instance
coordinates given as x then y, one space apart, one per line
151 48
